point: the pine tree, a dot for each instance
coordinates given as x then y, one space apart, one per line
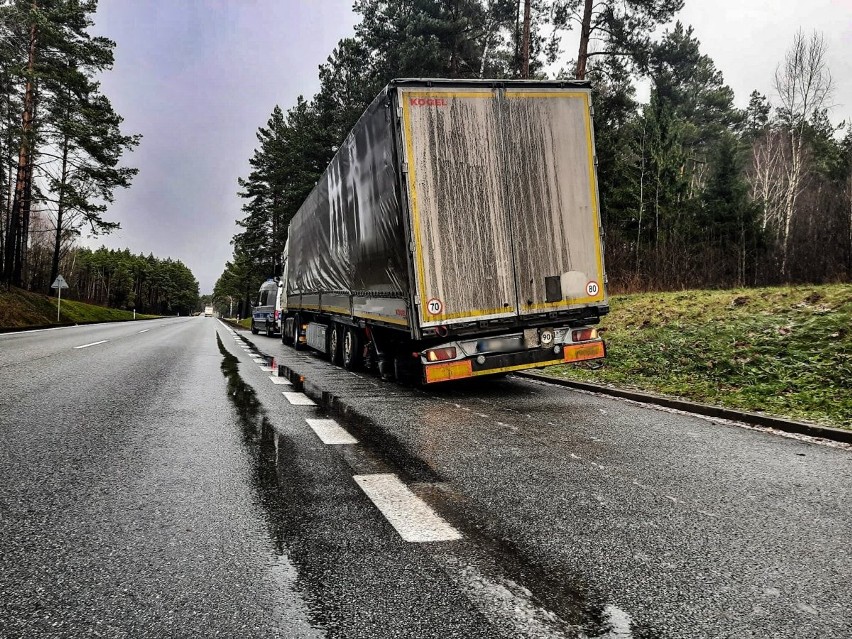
622 27
265 190
80 124
70 143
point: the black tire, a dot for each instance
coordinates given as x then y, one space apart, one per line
334 343
352 348
254 330
297 344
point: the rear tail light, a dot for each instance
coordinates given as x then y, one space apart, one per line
275 315
441 354
584 334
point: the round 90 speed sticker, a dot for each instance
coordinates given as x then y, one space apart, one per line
435 306
592 288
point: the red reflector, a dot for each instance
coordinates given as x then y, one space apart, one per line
441 354
584 334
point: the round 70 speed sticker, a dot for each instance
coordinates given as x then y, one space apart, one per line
592 288
435 306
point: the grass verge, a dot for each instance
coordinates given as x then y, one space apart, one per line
22 309
783 351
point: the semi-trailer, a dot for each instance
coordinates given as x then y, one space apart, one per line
456 233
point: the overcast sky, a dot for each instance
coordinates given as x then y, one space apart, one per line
197 78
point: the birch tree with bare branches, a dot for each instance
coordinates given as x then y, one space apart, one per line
804 87
767 177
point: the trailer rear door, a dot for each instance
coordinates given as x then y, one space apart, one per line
550 167
502 196
462 255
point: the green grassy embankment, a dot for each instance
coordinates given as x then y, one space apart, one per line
783 351
22 309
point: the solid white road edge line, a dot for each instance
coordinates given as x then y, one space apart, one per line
103 341
330 432
406 512
298 399
279 380
36 330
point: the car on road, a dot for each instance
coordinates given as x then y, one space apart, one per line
265 315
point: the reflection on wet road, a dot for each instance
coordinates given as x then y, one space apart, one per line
518 600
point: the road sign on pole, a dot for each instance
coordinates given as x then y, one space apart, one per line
59 283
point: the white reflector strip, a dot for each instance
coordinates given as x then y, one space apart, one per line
407 513
298 399
330 432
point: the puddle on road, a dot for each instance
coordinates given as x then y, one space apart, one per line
262 444
523 600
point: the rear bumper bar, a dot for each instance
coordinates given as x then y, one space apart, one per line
508 362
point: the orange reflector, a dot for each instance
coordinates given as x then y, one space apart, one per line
582 352
448 371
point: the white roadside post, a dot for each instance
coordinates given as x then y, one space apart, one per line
59 283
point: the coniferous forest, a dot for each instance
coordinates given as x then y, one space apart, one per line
694 191
62 147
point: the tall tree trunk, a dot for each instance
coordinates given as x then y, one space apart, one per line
517 59
525 48
26 210
12 258
585 33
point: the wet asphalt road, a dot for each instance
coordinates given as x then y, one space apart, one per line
158 484
138 500
616 515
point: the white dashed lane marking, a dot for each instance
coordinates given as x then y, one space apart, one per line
298 399
267 369
103 341
145 331
279 380
330 432
406 512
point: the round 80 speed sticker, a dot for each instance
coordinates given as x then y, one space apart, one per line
592 288
435 306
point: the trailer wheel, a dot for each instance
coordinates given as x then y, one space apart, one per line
297 330
352 346
334 346
287 328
